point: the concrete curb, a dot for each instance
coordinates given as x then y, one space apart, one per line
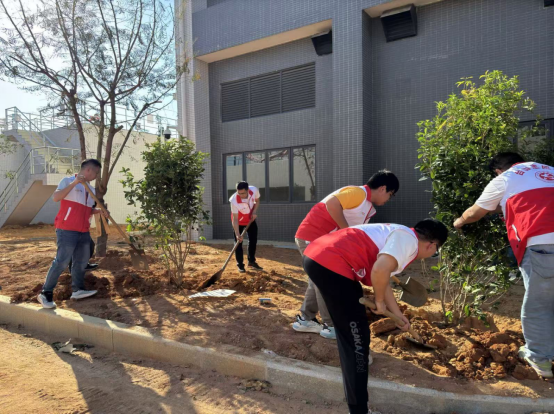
325 381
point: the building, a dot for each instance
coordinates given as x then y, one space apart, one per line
298 122
46 149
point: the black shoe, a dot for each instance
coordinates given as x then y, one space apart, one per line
90 267
241 268
255 266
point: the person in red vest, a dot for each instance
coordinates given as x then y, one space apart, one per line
524 191
348 206
245 203
72 231
369 254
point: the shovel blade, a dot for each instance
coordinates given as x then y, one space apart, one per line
414 293
138 259
212 280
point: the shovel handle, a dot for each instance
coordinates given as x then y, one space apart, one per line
103 209
399 322
396 280
236 245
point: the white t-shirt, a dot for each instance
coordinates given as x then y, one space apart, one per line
402 246
250 200
490 199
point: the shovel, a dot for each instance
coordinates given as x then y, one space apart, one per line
416 338
217 276
413 292
137 255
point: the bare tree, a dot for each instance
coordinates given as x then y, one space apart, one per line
93 55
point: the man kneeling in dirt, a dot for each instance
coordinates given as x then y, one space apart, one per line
525 193
72 232
369 254
348 206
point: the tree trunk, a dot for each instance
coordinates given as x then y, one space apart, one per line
102 240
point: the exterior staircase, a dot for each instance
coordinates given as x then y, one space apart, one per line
37 177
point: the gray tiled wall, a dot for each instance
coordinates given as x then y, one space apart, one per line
370 94
303 127
455 39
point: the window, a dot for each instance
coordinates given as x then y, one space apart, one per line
282 175
303 173
281 91
255 171
535 133
233 172
279 176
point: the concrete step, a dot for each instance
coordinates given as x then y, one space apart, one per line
22 209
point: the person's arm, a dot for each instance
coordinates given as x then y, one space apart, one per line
255 210
392 305
471 215
380 279
236 226
61 194
488 202
334 208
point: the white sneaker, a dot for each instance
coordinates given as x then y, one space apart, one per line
45 301
306 326
369 359
77 295
543 369
328 332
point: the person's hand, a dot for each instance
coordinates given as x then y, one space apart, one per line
105 213
254 217
381 307
239 238
458 223
406 325
79 179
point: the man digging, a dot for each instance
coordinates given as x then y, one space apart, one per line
525 193
370 254
245 203
348 206
72 231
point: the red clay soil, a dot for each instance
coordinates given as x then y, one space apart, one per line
469 359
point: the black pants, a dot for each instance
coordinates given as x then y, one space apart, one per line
92 247
341 296
252 241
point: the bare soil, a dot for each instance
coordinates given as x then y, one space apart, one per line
469 359
34 378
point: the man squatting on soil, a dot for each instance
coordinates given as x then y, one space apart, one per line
370 254
524 193
245 203
348 206
72 231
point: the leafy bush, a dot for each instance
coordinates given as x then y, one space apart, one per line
456 147
170 197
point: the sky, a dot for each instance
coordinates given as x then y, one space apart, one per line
11 96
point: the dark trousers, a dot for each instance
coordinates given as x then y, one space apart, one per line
341 296
92 247
252 241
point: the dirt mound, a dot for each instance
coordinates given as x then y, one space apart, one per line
254 282
461 352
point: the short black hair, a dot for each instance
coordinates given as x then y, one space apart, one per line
242 186
432 230
92 162
384 178
503 161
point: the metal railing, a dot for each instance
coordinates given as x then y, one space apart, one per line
49 119
19 120
40 160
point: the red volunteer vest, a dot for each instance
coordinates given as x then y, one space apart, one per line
75 210
351 252
245 211
319 222
528 203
